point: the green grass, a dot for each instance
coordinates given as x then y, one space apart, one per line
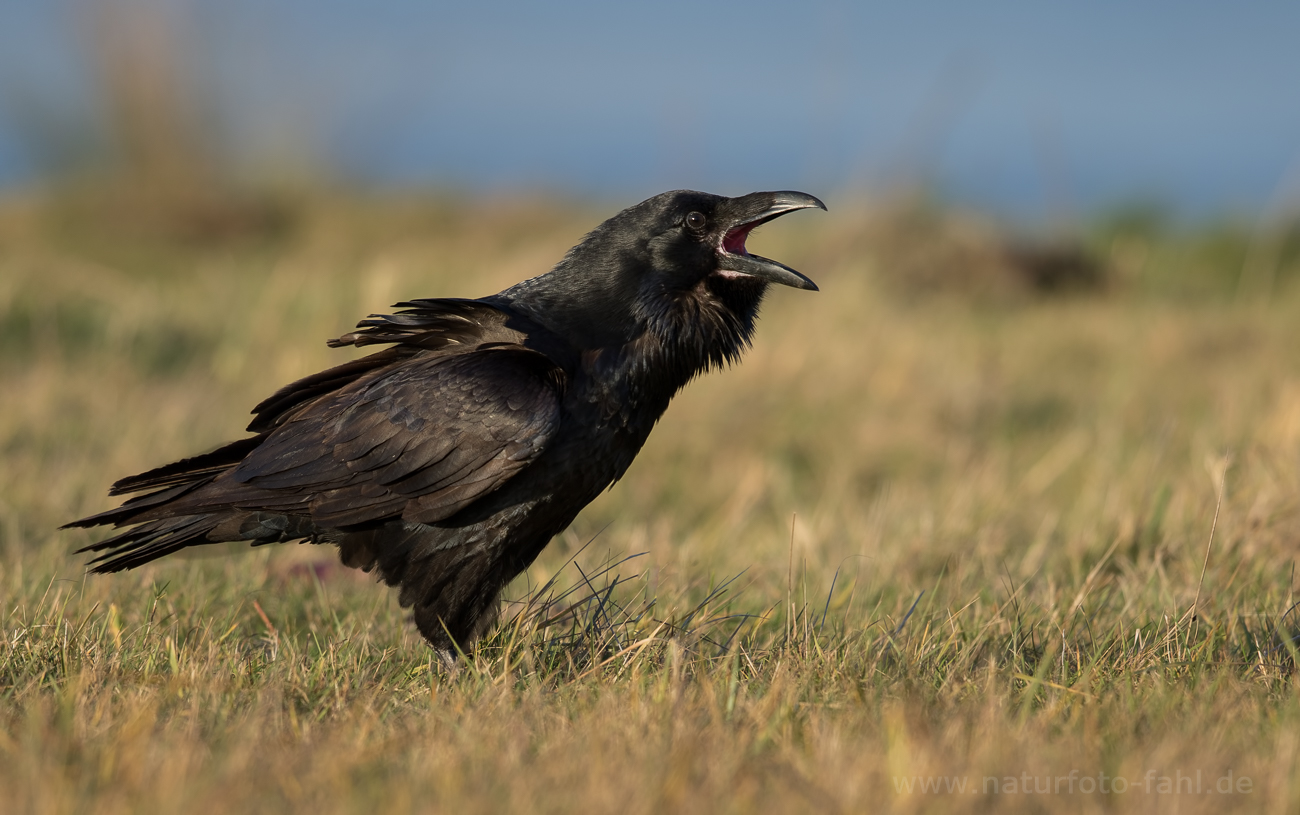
913 536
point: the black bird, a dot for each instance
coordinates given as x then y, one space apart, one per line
447 461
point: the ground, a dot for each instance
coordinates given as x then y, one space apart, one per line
960 546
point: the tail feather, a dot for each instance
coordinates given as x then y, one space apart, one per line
190 470
120 516
155 528
141 544
171 510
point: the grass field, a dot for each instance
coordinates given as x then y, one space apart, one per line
959 547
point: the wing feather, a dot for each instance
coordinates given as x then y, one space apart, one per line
421 441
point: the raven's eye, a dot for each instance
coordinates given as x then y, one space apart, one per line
696 221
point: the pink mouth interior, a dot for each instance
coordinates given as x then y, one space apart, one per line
734 242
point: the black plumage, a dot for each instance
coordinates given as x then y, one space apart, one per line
448 460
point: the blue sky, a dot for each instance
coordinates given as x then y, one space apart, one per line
1022 107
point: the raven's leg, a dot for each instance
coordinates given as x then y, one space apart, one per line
450 578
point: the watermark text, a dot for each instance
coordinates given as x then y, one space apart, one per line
1153 782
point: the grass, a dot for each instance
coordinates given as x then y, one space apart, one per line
916 540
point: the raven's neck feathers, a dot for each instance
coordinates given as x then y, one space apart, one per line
654 339
701 329
591 296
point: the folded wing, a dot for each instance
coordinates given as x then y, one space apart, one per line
419 442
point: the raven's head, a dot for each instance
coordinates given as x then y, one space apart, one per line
674 267
693 237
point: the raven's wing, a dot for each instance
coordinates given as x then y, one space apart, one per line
420 441
437 326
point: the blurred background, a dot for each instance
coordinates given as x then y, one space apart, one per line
1037 112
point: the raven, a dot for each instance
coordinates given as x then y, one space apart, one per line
448 460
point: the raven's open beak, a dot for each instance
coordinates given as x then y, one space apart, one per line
748 211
